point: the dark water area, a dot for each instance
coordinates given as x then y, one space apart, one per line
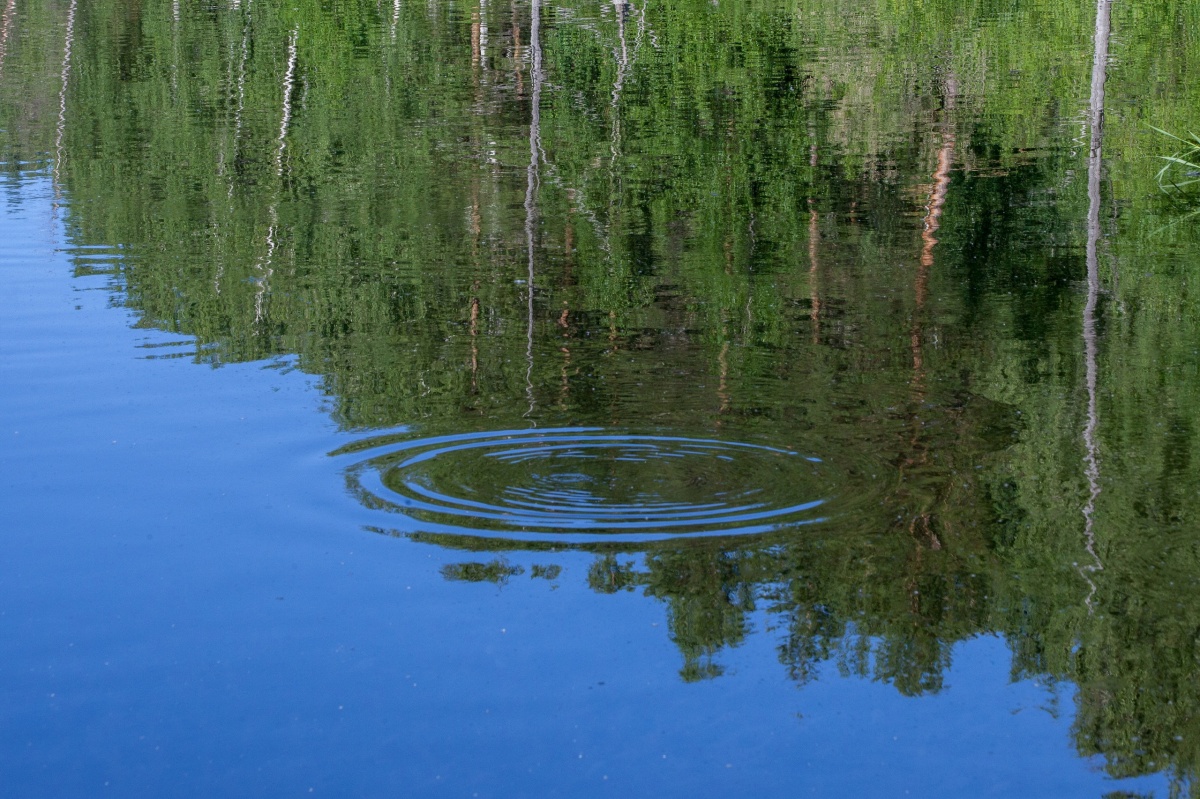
692 398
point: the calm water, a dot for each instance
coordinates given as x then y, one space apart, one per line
670 399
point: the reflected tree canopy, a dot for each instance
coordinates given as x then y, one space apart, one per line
865 231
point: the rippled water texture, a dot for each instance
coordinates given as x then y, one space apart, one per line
589 484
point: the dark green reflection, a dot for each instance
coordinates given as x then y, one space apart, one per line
877 234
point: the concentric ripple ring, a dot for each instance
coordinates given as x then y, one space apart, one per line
588 484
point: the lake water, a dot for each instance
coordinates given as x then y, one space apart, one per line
681 398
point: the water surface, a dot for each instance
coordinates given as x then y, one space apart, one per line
535 399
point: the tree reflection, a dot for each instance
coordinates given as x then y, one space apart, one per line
783 224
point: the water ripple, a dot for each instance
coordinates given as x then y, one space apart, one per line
588 484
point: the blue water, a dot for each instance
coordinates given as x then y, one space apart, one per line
191 604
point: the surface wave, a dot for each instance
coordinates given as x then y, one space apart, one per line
584 484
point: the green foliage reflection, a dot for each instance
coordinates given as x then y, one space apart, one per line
854 229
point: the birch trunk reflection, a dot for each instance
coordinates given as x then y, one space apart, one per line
6 25
531 184
289 77
61 127
1095 163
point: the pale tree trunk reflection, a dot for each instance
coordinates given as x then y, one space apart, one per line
1091 459
6 25
61 128
531 185
265 266
289 77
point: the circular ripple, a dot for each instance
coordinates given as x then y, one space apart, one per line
589 484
